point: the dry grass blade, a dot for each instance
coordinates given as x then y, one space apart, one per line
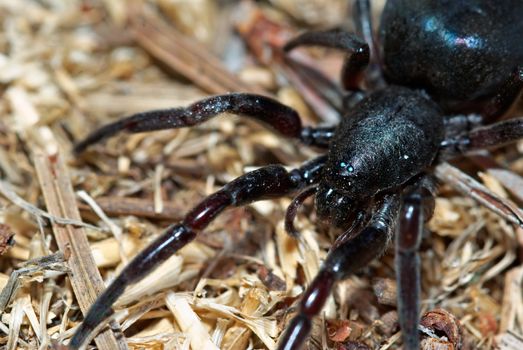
47 263
513 182
189 322
70 66
509 341
17 315
470 187
186 57
264 328
9 193
115 229
512 307
72 241
166 276
509 179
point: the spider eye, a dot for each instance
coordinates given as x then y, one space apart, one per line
346 168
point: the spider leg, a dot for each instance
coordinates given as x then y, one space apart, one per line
268 182
417 208
270 112
493 135
363 21
505 97
354 65
341 262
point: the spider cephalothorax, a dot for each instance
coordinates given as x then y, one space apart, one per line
395 131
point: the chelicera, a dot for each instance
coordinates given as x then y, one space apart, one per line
444 68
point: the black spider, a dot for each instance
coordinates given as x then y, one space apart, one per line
443 68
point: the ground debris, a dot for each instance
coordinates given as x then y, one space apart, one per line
69 66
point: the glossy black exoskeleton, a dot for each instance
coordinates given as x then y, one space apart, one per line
466 54
394 129
441 67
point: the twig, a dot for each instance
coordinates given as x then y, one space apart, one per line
395 337
72 241
140 207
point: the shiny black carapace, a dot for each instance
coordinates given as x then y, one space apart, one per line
441 70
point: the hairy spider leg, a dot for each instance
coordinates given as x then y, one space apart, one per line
341 262
363 20
292 210
353 67
268 182
417 208
270 112
493 135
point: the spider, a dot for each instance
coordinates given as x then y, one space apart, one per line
443 69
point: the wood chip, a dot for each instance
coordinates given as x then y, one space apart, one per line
385 290
189 322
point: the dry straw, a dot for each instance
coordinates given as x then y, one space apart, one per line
68 66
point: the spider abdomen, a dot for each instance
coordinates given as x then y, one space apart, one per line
388 138
463 53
